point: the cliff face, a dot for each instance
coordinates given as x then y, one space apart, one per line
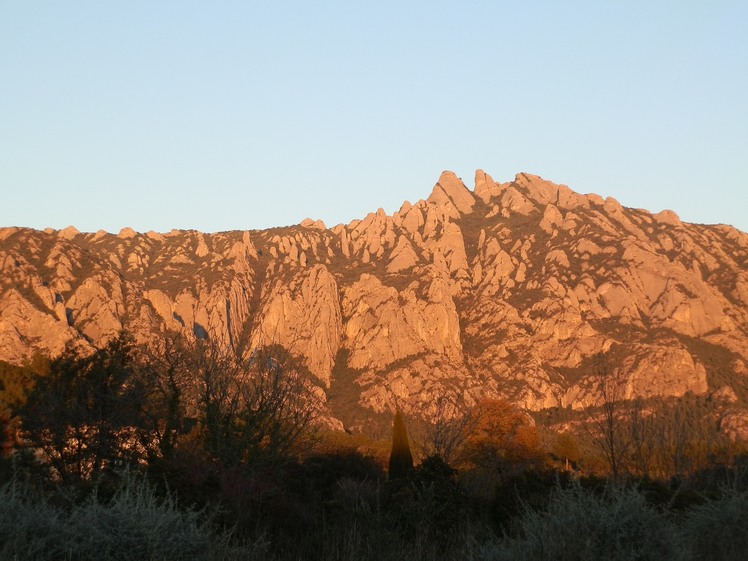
509 289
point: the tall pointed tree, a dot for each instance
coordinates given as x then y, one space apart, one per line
401 460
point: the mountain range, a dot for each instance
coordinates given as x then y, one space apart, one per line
510 289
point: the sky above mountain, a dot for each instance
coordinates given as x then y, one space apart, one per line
241 115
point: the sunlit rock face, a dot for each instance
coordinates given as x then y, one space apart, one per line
508 289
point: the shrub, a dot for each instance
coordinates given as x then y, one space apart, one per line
138 525
135 524
579 525
30 528
716 530
518 492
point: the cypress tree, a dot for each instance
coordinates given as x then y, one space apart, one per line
401 460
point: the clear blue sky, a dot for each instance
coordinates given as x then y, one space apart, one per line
240 115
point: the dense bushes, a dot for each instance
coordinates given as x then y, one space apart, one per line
716 530
133 524
354 517
222 445
617 525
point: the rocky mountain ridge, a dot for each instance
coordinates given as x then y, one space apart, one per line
509 289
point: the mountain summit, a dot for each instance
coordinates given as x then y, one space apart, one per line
507 290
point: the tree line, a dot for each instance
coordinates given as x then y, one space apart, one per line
239 432
122 405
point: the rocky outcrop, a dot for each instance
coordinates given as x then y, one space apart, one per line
512 290
25 329
303 316
384 325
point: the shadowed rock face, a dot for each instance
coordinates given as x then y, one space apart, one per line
510 290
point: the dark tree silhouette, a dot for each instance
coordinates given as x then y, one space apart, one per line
87 411
252 407
401 459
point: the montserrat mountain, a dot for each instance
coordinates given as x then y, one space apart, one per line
513 290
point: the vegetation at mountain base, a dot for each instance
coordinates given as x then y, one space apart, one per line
194 450
87 412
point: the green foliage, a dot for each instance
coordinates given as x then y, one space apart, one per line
401 459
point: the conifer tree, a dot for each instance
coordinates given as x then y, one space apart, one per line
401 460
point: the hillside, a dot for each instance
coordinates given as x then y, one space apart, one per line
509 289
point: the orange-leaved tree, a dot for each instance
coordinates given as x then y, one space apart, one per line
504 437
